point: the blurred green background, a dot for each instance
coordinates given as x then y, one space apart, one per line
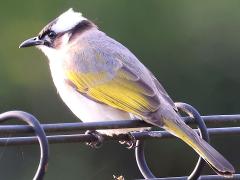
191 46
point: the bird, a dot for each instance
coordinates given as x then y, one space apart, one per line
98 78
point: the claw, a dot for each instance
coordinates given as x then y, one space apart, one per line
118 177
131 143
95 144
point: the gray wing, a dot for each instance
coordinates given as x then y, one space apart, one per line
100 53
130 61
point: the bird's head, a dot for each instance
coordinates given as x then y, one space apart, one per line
59 32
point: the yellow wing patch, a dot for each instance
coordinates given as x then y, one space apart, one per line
119 92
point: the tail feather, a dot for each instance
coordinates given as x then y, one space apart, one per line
175 125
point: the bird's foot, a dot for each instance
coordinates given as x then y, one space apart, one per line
118 177
99 139
131 143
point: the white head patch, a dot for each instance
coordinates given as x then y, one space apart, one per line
67 21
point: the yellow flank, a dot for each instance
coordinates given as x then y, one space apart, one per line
119 92
84 81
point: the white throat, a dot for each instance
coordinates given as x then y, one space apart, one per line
56 54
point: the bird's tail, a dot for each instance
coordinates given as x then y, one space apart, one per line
176 126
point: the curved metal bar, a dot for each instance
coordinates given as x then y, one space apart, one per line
192 112
41 136
139 150
141 161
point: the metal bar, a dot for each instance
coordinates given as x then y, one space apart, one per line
74 127
76 138
216 119
203 177
79 126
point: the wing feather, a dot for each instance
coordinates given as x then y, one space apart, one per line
119 92
114 76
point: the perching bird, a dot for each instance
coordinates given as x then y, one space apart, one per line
100 79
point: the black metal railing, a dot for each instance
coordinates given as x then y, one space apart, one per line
74 133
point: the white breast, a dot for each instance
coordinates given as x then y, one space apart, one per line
85 109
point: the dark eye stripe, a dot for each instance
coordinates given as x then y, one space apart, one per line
46 29
44 33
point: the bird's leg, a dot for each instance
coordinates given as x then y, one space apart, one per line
131 142
95 144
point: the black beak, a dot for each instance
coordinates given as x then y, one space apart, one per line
31 42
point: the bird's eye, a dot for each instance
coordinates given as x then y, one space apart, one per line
51 34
